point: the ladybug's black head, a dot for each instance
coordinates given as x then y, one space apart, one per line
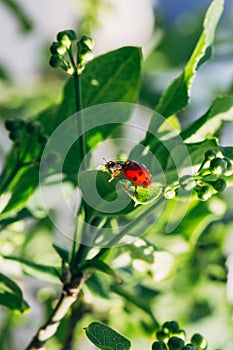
110 164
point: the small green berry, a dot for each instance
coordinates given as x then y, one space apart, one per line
218 166
86 53
189 346
15 135
169 192
161 335
170 327
187 182
199 341
66 37
34 127
229 170
180 334
175 343
56 60
42 138
204 192
87 40
219 185
58 48
159 345
210 154
14 124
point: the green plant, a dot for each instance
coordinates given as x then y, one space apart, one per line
189 168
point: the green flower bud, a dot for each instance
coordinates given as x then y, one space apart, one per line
189 346
35 127
204 192
42 138
66 37
56 60
175 343
218 166
229 170
14 124
16 135
199 341
57 48
161 335
187 182
170 327
219 185
210 154
180 334
169 193
159 345
88 41
86 53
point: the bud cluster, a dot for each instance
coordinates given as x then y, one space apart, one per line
211 176
62 52
171 337
25 135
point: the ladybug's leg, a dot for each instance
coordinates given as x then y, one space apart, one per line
114 174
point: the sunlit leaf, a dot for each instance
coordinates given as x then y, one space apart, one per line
210 122
63 253
100 265
11 295
178 93
25 184
40 271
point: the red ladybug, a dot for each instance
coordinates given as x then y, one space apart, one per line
132 171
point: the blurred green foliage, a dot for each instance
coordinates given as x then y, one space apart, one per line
178 270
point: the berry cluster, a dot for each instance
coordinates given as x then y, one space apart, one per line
208 180
171 337
62 52
28 138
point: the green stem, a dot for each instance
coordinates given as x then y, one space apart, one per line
5 184
70 53
83 250
81 132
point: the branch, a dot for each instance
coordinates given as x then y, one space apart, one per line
78 310
68 297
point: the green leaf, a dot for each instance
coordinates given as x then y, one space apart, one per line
210 122
177 95
99 265
112 77
24 186
144 196
97 286
11 295
63 253
105 338
39 271
194 223
104 197
227 152
109 78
